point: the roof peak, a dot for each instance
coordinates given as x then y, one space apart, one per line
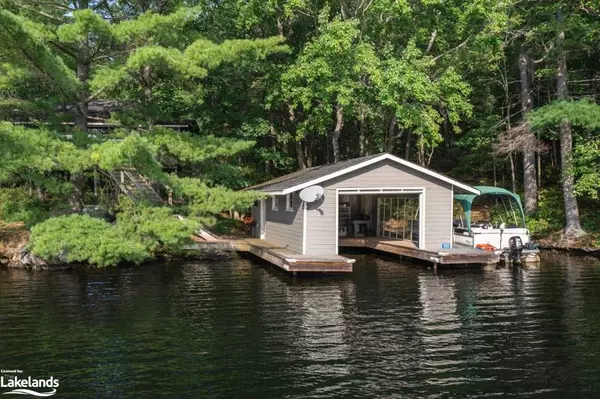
306 177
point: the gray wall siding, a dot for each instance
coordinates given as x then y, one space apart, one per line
320 225
285 228
321 218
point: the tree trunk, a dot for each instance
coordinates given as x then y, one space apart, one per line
83 75
529 174
335 136
76 199
539 174
362 140
494 169
513 175
391 135
148 85
421 153
572 223
308 150
300 154
407 147
446 130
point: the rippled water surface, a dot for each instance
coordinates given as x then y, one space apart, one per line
240 329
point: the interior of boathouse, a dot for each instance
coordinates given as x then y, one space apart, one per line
392 216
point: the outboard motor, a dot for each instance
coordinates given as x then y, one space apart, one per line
515 247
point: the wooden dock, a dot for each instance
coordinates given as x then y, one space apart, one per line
292 261
279 256
403 248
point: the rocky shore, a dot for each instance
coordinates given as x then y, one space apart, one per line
14 253
588 245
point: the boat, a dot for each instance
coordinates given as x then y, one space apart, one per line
495 221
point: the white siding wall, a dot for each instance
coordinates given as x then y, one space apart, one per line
284 228
321 218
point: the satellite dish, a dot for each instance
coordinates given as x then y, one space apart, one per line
311 194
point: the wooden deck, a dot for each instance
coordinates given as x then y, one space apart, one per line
279 256
292 261
404 248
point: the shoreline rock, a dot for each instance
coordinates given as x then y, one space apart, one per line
585 246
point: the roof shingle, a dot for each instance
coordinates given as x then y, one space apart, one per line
300 179
305 175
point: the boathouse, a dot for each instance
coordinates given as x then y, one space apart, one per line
380 198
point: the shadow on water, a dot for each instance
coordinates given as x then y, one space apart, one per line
236 328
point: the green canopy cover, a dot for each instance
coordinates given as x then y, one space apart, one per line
466 200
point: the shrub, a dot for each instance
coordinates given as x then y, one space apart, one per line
16 205
155 227
140 233
81 238
550 217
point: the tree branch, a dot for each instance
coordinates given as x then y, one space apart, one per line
50 3
431 41
464 43
43 14
63 49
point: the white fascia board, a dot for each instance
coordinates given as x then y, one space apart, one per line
433 174
375 160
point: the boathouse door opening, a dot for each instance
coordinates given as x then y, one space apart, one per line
395 214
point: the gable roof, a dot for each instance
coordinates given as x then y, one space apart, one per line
307 177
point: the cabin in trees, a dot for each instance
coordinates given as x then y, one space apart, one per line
377 197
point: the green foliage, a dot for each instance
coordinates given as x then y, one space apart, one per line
32 153
260 82
550 216
29 40
211 55
167 81
140 233
81 238
583 113
330 69
204 201
587 169
228 226
16 205
133 151
157 228
151 28
189 148
85 23
406 86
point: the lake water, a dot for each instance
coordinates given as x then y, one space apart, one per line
239 329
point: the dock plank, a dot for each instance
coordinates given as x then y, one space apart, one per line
292 261
408 249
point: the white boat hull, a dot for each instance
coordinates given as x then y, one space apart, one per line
499 240
496 237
